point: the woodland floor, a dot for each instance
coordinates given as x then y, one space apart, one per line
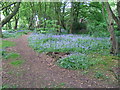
39 71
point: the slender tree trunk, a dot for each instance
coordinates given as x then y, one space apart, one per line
16 22
74 16
31 22
118 9
114 47
104 13
62 21
58 13
0 28
45 18
71 18
9 25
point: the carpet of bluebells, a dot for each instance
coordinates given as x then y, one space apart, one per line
80 46
67 43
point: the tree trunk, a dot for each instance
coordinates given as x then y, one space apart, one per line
63 14
9 17
45 18
118 9
58 16
0 29
74 17
9 25
71 18
117 20
114 47
31 26
16 22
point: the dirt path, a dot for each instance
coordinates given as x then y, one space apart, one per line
38 71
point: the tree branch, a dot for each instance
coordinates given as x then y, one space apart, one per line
7 6
7 19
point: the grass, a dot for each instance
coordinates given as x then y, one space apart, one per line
14 73
17 62
60 85
12 56
4 87
6 43
102 69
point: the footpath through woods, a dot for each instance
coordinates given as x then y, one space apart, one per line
39 71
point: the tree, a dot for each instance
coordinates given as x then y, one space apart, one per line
16 21
116 19
118 10
74 16
9 17
114 46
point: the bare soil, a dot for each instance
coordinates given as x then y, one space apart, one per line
39 71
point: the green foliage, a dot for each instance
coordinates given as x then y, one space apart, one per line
11 56
117 33
17 62
79 27
49 26
76 62
98 29
99 75
6 86
6 44
59 85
